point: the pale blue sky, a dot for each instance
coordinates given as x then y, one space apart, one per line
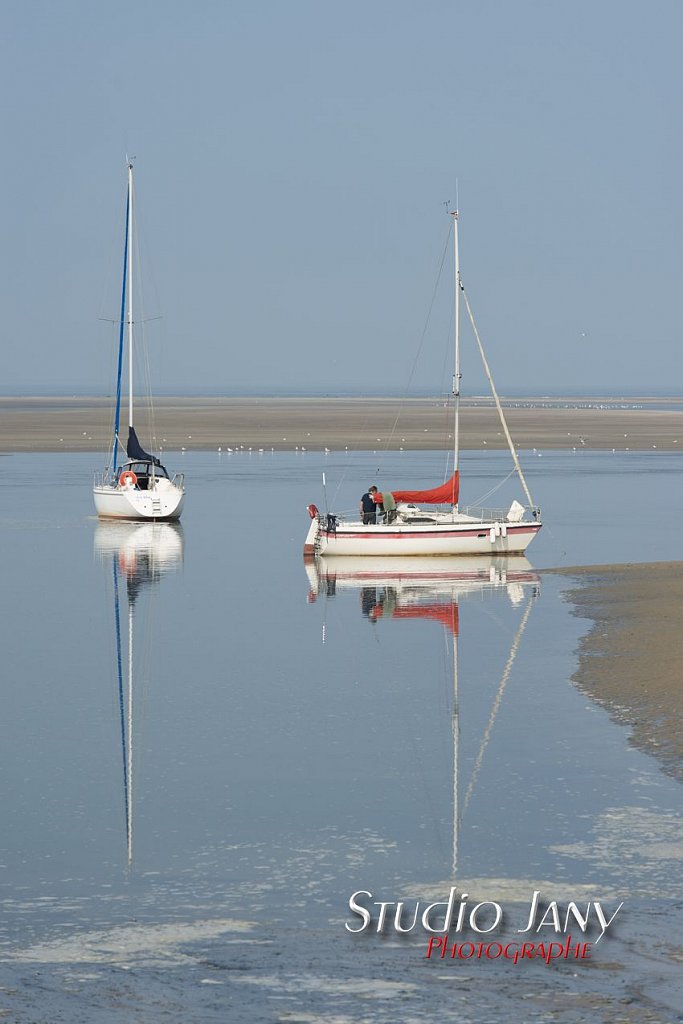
292 159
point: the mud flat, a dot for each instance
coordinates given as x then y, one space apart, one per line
631 660
84 424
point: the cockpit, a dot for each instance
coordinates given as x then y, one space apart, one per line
144 473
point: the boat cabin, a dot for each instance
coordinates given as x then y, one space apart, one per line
143 473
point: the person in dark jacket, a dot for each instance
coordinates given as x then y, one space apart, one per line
368 508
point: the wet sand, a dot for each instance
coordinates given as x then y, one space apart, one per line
631 661
85 424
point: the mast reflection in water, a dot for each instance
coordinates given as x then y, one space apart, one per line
430 588
138 556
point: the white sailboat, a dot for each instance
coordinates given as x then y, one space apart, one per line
140 488
451 529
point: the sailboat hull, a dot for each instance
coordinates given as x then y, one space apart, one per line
421 539
126 503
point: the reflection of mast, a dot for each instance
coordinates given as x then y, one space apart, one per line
487 732
398 588
142 553
456 741
129 809
122 707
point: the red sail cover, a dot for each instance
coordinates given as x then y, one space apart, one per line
444 494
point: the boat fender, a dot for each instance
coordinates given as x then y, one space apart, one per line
128 479
503 530
492 535
312 511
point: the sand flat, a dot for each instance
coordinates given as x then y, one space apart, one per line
631 661
85 424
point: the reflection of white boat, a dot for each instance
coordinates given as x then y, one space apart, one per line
429 588
140 488
410 529
140 554
144 550
442 579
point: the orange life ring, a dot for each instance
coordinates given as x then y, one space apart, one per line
125 477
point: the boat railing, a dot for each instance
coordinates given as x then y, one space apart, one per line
482 515
178 481
105 478
498 515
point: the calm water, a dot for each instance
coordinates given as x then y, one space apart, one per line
205 750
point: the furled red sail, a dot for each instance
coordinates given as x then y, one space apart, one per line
444 494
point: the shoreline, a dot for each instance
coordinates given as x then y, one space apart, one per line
73 424
630 659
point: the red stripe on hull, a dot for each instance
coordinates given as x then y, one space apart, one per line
432 534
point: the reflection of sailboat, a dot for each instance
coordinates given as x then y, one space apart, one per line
429 588
141 489
409 529
139 554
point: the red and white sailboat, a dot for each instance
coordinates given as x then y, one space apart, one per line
444 527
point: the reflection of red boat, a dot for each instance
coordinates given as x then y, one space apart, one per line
430 588
445 613
418 588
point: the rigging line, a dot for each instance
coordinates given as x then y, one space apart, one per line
497 702
495 488
447 406
422 336
497 400
143 346
404 397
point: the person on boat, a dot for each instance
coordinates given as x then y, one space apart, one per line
368 506
385 503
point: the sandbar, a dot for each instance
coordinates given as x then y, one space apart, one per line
631 661
34 424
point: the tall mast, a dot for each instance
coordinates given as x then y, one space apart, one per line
130 294
456 373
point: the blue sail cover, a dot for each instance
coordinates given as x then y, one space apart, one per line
135 451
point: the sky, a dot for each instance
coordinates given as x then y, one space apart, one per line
292 162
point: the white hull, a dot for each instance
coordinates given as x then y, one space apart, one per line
116 502
468 538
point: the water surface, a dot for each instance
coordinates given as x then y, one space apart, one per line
205 750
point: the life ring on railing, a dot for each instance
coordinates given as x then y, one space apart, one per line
128 477
312 511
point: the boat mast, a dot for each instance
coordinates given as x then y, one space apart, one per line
457 375
130 294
